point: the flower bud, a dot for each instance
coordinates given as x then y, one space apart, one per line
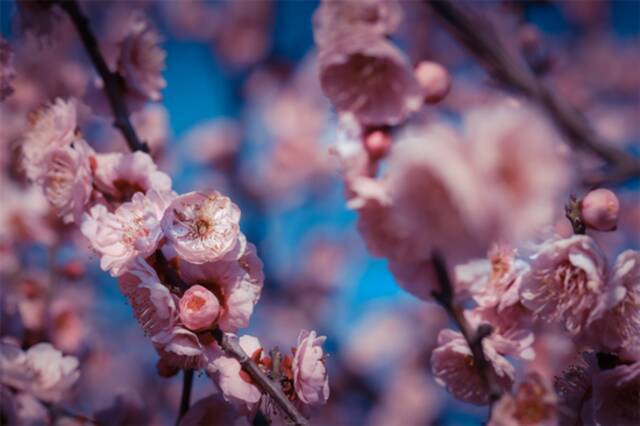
377 144
600 209
199 308
434 80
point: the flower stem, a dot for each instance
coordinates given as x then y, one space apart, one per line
185 400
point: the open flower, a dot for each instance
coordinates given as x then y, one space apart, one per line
616 393
42 371
235 283
122 175
567 283
534 403
132 230
309 370
203 227
453 366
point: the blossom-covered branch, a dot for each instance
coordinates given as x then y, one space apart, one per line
479 38
113 81
444 297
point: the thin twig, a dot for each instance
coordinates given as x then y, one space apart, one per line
113 82
231 347
185 399
573 212
479 38
474 338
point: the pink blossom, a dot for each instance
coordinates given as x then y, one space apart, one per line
236 385
203 227
51 127
122 175
620 323
236 284
507 145
214 142
20 408
7 72
434 80
534 403
199 308
335 18
309 370
132 230
364 74
616 395
574 391
42 371
453 366
600 209
67 180
567 283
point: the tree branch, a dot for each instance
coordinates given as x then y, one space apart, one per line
113 82
474 338
185 399
231 347
479 39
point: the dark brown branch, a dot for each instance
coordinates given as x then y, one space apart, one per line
231 347
185 399
480 39
113 82
474 338
573 212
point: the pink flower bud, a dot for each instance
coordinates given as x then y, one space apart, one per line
377 144
600 209
434 80
199 308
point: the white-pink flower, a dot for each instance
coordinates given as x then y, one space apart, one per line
533 404
235 283
204 227
42 371
132 230
567 283
453 366
199 308
122 175
310 378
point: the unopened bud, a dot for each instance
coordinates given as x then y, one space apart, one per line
599 209
434 80
377 143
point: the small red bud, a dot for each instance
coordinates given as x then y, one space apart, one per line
377 143
434 80
599 209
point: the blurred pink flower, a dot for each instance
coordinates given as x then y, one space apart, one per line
122 175
309 370
7 72
41 371
453 366
567 283
337 17
364 74
534 403
434 79
508 144
616 396
212 410
132 230
620 323
203 227
574 391
199 308
236 284
214 142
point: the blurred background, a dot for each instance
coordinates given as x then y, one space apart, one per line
243 113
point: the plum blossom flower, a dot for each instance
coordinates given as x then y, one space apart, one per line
42 371
534 403
7 72
235 283
453 367
364 74
203 227
236 385
620 324
309 371
600 209
507 143
334 18
567 283
132 230
616 393
199 308
50 127
122 175
574 390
